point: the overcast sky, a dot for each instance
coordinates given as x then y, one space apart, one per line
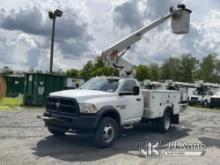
89 26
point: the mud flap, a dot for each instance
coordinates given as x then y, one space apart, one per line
175 119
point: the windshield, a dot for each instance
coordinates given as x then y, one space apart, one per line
101 84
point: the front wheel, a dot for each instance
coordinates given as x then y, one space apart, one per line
205 104
164 123
106 133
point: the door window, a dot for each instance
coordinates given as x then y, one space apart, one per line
129 86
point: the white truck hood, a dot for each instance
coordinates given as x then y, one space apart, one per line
80 94
216 96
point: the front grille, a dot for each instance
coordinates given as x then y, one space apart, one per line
194 98
215 101
52 104
62 105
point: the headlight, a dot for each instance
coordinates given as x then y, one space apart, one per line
87 108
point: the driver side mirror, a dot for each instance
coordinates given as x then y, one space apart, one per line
136 90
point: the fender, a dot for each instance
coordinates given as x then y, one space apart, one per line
168 108
108 111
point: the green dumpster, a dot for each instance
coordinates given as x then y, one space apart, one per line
38 86
15 85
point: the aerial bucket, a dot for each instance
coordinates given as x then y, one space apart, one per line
180 22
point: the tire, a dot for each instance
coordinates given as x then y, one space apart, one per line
192 104
205 104
164 123
55 132
106 133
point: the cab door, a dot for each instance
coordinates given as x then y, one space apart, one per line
131 102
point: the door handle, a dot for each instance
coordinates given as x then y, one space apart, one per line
138 99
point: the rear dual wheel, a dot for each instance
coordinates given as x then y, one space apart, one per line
162 124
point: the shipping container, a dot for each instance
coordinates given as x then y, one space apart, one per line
14 85
38 86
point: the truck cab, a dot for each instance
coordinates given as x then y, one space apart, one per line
200 96
103 92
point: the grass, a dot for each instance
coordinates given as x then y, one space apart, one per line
8 102
16 103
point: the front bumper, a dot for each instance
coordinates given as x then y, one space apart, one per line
194 102
215 102
79 123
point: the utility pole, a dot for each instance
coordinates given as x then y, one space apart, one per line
53 15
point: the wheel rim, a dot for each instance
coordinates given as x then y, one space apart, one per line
108 133
166 121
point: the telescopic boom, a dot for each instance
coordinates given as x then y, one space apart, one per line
112 56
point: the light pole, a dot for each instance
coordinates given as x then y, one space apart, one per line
53 15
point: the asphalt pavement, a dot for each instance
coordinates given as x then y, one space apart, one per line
25 140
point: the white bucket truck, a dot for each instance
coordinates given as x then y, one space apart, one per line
201 93
104 104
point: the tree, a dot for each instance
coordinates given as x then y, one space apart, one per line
154 72
142 72
188 68
110 71
171 69
86 72
100 69
99 63
97 68
73 72
208 68
185 68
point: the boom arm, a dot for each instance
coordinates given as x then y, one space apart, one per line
112 55
133 38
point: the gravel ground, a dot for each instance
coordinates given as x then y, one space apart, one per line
25 140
